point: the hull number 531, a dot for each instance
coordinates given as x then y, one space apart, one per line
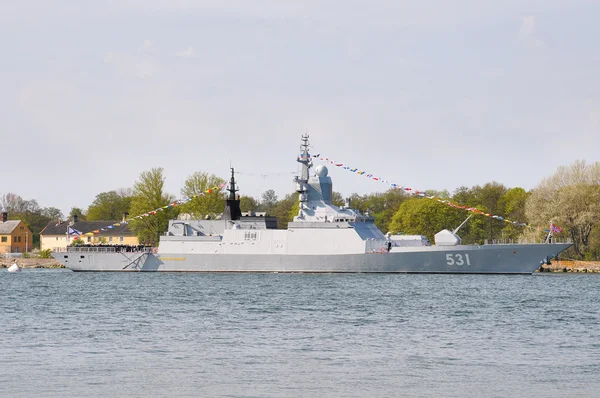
457 259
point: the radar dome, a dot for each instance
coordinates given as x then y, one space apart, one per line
321 170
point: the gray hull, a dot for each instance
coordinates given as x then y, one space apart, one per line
485 259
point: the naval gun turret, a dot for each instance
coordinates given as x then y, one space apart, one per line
449 238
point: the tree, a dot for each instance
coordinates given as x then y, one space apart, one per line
285 210
513 203
464 196
248 203
109 206
423 216
205 193
148 196
444 194
569 198
30 213
268 200
52 213
15 204
337 199
487 198
76 211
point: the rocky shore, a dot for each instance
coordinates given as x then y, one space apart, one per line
571 266
31 263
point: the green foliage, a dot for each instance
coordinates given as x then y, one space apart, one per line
336 199
382 206
148 195
294 210
25 255
570 198
52 213
109 206
285 210
30 213
513 203
488 199
76 211
422 216
464 196
46 253
204 203
78 242
248 203
268 201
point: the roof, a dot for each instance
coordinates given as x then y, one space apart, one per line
8 226
52 228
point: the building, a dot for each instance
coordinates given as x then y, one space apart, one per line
54 235
15 236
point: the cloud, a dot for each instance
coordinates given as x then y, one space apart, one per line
186 53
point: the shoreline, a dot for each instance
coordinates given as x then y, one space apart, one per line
31 263
571 266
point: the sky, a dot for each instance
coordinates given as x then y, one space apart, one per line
426 94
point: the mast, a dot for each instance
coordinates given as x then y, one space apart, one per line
232 203
302 181
231 188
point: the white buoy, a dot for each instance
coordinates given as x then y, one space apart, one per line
14 268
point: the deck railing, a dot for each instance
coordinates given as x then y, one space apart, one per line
526 241
104 249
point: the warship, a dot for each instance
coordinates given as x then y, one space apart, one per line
322 238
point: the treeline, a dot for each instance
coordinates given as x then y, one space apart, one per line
570 199
30 212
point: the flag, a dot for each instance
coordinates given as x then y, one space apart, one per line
73 231
554 228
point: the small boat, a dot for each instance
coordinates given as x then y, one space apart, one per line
14 268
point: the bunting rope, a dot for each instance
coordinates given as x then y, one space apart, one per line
355 170
155 211
411 191
266 175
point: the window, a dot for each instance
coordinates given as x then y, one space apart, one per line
89 239
22 228
110 238
121 239
250 236
4 239
57 238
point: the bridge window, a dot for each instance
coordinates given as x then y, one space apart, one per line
250 235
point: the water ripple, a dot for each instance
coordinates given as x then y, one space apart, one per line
274 335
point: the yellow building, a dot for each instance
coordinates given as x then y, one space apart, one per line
15 237
54 235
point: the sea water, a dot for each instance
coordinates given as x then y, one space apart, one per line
289 335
